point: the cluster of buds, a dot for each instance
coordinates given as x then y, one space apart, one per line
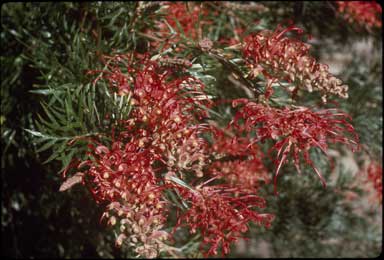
367 13
295 130
221 217
283 58
174 62
375 176
250 7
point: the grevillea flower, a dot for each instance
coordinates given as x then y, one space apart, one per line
238 161
283 58
375 176
367 13
221 217
166 112
245 173
295 130
187 15
123 177
163 138
162 134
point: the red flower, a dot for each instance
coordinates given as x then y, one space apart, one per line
296 130
162 134
187 16
375 176
238 161
244 173
220 216
366 13
283 58
123 176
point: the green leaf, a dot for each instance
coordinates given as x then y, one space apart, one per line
46 146
169 26
60 115
51 117
180 28
180 182
53 156
43 91
35 133
56 153
66 159
40 127
41 135
68 108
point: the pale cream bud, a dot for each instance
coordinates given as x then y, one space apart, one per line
177 119
112 221
151 196
120 239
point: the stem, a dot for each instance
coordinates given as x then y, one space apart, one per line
232 67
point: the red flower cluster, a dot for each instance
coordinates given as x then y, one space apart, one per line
375 176
283 58
295 130
162 145
163 137
239 161
123 176
187 15
367 13
161 134
220 216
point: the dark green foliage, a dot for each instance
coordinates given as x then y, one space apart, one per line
46 50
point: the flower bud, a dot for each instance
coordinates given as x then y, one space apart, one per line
112 221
